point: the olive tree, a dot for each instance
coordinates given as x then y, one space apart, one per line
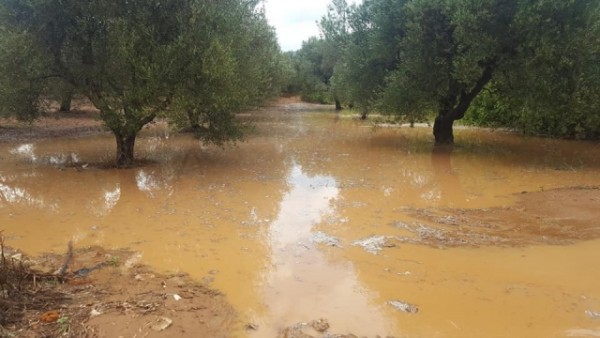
409 57
137 60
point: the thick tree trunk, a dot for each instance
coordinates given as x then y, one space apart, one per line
442 130
65 103
455 104
125 145
338 105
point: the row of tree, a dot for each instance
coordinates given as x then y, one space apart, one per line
530 64
527 64
193 62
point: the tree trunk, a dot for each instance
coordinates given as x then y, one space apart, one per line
65 103
363 113
455 104
442 130
125 145
338 105
194 124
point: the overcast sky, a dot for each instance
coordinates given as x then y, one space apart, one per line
296 20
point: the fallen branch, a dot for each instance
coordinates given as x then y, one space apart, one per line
63 268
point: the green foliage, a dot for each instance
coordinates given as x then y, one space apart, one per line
311 73
64 324
553 86
540 61
113 261
19 86
313 65
239 69
359 70
489 110
492 110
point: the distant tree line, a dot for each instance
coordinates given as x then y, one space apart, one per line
532 65
193 62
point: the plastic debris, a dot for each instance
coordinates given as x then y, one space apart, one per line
404 306
592 314
372 244
323 238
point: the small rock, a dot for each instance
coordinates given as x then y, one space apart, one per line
293 333
320 325
132 261
176 297
95 313
161 324
144 276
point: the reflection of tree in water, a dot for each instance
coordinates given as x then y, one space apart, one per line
13 195
445 178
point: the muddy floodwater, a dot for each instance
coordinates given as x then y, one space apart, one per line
318 216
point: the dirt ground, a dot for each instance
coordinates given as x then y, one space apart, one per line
81 121
106 293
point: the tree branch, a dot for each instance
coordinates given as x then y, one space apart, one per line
465 98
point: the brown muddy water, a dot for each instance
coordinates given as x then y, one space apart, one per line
315 217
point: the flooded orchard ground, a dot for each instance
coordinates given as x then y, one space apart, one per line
316 216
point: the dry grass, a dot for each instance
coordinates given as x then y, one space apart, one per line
23 290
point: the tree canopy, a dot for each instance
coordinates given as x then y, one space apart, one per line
185 60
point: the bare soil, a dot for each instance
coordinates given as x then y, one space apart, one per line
106 293
83 120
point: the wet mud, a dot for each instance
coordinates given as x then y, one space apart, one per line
109 293
558 216
319 215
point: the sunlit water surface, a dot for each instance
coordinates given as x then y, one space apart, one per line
274 221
